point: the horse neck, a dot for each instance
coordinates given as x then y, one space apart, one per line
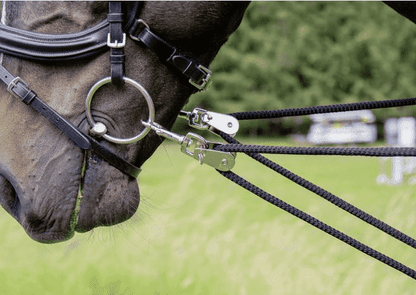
54 17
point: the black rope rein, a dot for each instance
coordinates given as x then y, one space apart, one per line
255 151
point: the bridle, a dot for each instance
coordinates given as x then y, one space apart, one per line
111 34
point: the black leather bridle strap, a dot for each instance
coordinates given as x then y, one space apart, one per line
52 47
49 47
108 33
19 88
113 159
116 40
197 74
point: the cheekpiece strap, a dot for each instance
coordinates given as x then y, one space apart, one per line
116 40
197 75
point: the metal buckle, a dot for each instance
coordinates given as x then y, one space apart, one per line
116 44
138 22
205 81
13 84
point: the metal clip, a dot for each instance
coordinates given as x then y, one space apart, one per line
197 147
223 161
214 122
162 131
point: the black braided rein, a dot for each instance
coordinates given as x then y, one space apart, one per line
327 151
319 224
254 150
335 108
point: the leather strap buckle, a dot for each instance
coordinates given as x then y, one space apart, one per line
137 28
13 84
116 43
203 83
20 89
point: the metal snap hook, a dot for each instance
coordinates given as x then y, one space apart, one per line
94 124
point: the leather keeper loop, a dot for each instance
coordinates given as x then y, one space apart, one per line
115 17
183 64
117 59
29 97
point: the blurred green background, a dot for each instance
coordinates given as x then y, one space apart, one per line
299 54
197 233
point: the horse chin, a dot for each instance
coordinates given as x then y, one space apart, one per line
65 198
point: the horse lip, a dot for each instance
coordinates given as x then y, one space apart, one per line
111 201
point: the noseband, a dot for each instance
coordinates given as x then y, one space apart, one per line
109 34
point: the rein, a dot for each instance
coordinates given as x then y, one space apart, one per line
254 152
222 157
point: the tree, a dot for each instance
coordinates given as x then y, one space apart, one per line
295 54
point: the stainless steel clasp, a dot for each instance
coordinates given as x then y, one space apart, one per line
203 151
212 121
162 131
197 147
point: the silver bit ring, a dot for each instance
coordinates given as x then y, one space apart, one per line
145 94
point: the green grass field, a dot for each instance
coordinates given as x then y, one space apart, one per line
198 233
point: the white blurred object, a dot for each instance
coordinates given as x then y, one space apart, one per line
401 133
343 127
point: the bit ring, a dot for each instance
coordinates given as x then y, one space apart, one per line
145 94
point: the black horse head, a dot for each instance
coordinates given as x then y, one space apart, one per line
49 185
